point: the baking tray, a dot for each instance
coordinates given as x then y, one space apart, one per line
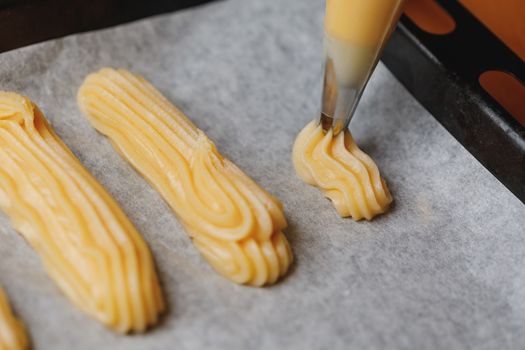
441 72
24 22
441 266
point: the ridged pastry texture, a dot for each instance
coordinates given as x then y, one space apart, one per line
236 225
13 334
345 174
86 243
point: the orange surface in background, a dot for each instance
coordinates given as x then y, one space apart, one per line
507 90
429 16
505 18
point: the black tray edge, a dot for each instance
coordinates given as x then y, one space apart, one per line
486 130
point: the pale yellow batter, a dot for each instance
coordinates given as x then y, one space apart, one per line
345 174
355 32
85 241
361 22
235 224
13 334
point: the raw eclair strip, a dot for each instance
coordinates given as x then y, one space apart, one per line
346 175
13 334
86 243
235 224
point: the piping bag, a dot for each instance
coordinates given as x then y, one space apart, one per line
355 32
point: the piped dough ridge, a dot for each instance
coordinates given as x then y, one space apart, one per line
345 174
86 243
235 224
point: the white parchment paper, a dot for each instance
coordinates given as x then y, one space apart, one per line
444 269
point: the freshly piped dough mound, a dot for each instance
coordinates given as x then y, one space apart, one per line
85 241
345 174
13 334
235 224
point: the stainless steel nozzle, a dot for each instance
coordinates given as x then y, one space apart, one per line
350 59
347 69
